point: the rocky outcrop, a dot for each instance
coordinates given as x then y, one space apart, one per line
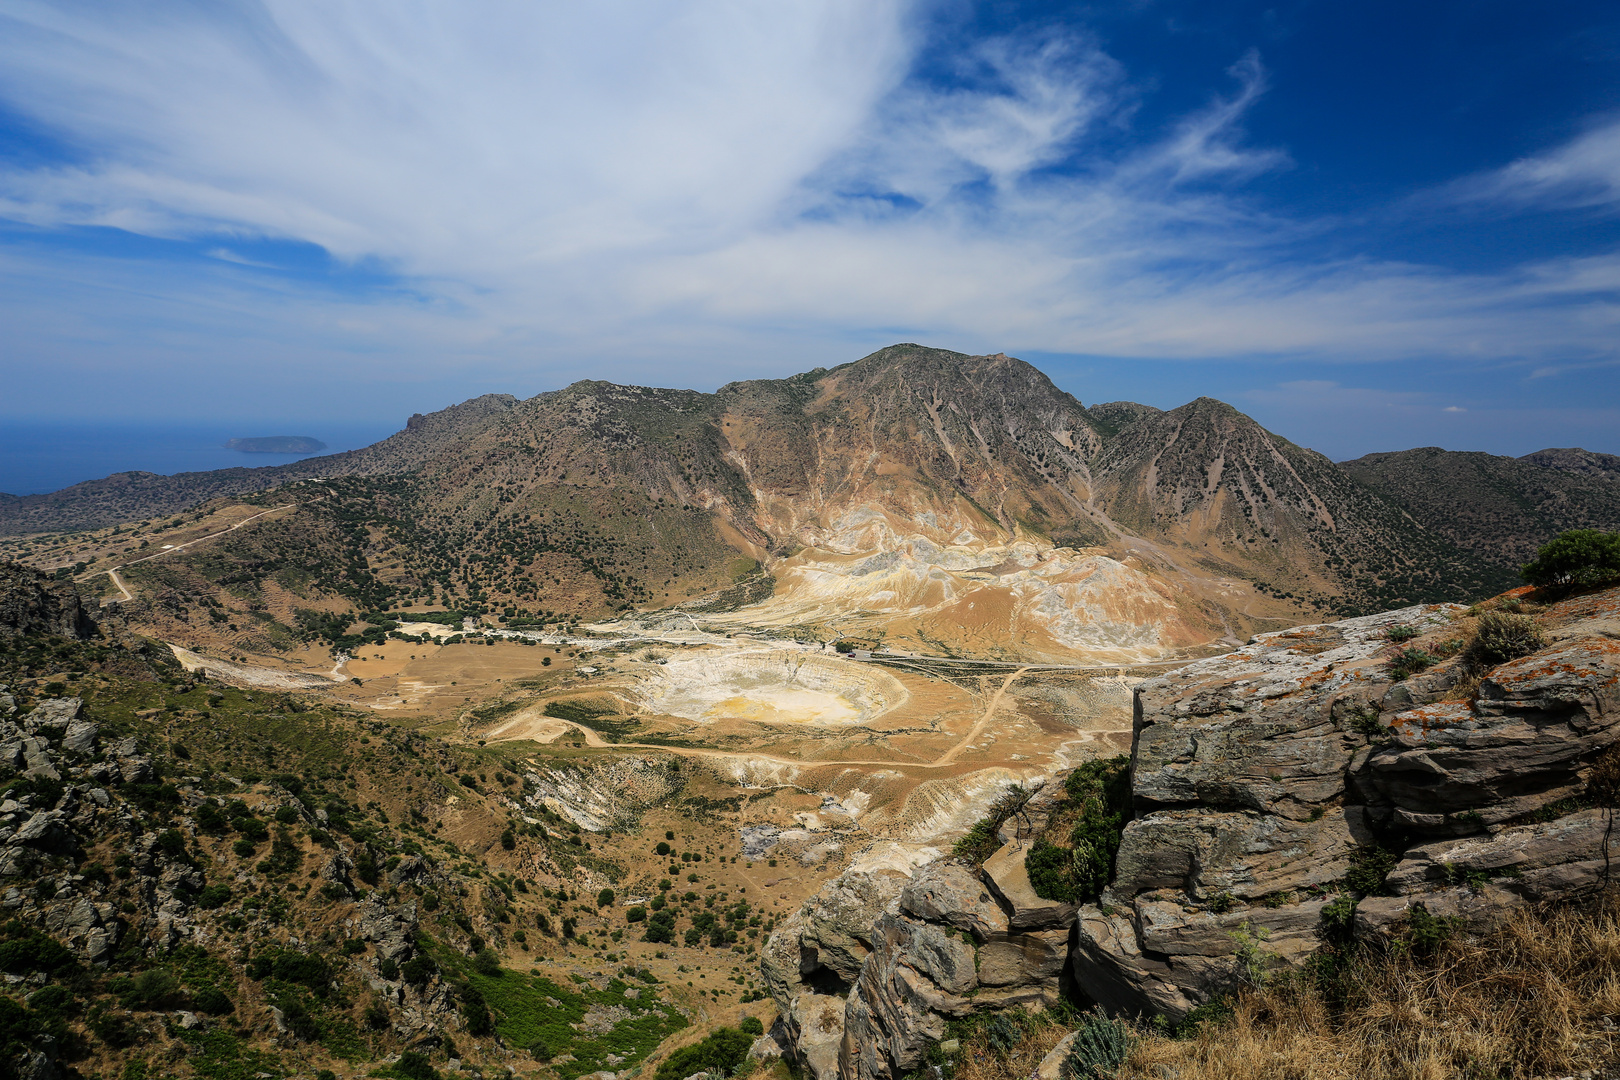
1261 777
1260 781
602 796
32 602
868 972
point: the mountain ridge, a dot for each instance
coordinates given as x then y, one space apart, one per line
888 487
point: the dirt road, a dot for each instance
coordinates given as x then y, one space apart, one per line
112 571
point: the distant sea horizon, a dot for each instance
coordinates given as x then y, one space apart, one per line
41 457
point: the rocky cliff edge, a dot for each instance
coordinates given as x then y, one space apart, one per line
1319 780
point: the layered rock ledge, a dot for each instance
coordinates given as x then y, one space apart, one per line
1291 775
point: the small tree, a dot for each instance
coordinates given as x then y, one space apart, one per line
1575 559
604 898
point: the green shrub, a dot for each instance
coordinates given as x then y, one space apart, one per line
981 840
1337 917
1368 865
1502 637
1401 633
154 989
1409 662
34 951
418 970
487 963
751 1025
1425 933
301 968
214 896
1576 559
415 1066
1098 1050
1077 873
213 1001
722 1051
475 1013
660 928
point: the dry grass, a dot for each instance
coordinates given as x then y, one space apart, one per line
1535 998
981 1059
1529 1000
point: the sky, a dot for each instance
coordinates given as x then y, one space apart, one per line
1371 226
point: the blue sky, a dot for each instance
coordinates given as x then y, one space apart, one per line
1372 225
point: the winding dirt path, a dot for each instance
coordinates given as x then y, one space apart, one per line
112 571
977 729
118 582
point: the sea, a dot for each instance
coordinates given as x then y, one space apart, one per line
38 457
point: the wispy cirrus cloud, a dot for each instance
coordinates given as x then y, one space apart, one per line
1583 172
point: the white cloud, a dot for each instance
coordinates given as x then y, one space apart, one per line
598 188
1584 172
454 139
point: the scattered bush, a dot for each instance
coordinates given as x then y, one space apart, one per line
213 1001
719 1053
1502 637
154 989
474 1013
981 840
212 897
418 970
415 1066
1099 798
1368 865
34 951
1409 662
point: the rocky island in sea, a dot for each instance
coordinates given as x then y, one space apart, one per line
277 444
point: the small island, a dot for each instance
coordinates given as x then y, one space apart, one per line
277 444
